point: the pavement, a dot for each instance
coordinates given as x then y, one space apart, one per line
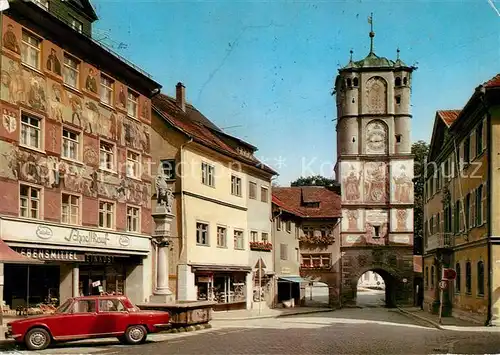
266 313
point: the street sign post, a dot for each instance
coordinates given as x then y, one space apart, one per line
449 274
443 284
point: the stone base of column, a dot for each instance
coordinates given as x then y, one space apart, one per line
165 297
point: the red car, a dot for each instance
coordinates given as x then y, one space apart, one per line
88 317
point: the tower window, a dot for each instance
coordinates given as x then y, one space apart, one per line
398 138
398 81
355 82
353 101
405 80
354 139
376 231
349 82
398 99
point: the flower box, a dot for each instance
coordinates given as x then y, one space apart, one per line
312 267
322 240
261 246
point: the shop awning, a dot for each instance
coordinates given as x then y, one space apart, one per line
297 279
9 256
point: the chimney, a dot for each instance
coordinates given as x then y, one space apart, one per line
180 96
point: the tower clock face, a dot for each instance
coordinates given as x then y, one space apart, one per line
375 141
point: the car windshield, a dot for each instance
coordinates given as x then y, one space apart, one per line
64 307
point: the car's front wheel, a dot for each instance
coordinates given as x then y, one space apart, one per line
37 339
136 334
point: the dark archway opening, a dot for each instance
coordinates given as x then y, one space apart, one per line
376 288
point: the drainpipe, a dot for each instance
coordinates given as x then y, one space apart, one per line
183 202
274 255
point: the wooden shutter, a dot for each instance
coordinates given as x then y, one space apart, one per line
472 212
472 145
485 202
485 122
452 226
462 215
461 153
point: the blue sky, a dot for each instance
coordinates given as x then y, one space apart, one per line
264 70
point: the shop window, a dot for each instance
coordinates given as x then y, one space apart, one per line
84 306
264 194
133 165
107 89
468 278
221 237
29 201
252 190
132 104
70 209
31 131
238 240
254 236
111 305
208 174
168 166
480 278
70 145
235 185
30 49
133 214
201 233
265 237
283 252
106 214
71 71
106 156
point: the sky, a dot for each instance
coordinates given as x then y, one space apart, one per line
264 70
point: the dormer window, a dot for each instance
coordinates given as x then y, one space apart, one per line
397 81
311 204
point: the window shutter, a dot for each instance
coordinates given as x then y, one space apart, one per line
462 215
485 202
452 226
472 145
461 153
485 122
472 212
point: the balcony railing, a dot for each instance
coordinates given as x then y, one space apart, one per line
440 241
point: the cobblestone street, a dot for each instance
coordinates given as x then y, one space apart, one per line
347 331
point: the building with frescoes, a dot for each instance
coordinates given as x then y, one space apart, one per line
375 169
222 208
74 147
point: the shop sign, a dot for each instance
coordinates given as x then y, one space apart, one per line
105 259
44 232
87 237
50 254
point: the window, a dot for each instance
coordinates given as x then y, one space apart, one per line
70 211
480 278
467 150
207 174
405 80
467 212
132 100
252 190
201 233
283 251
278 223
479 205
288 226
468 278
31 131
107 153
169 168
106 214
71 71
29 201
264 195
113 305
479 138
317 260
432 276
133 166
398 99
438 223
398 138
221 237
235 185
265 237
458 278
355 82
107 90
376 231
83 306
30 50
133 214
397 82
456 217
70 145
238 240
76 25
426 277
349 82
254 236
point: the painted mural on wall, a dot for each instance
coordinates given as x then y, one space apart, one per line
110 124
375 181
376 219
91 81
352 220
376 137
10 40
376 95
402 220
53 63
351 181
402 181
9 120
135 135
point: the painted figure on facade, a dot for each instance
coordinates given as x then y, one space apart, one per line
91 83
145 110
401 217
53 63
164 195
56 104
122 100
403 188
375 182
12 81
351 183
91 117
76 108
10 40
352 216
9 121
376 92
36 94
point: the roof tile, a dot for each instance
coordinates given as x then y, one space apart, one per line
493 82
292 199
448 116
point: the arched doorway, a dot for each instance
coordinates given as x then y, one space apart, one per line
386 297
370 291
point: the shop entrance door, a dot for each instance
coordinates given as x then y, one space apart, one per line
86 280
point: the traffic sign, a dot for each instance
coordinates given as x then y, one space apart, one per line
449 274
443 284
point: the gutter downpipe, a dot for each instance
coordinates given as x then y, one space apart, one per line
183 202
273 218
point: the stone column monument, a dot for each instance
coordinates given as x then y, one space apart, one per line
162 217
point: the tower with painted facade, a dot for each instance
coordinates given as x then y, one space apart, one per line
375 169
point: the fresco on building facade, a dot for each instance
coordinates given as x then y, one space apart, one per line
352 220
376 218
376 95
351 173
10 39
376 137
402 220
53 63
402 181
9 120
135 135
375 181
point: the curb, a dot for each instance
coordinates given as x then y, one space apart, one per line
273 316
416 316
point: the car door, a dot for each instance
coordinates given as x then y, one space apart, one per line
111 316
80 320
